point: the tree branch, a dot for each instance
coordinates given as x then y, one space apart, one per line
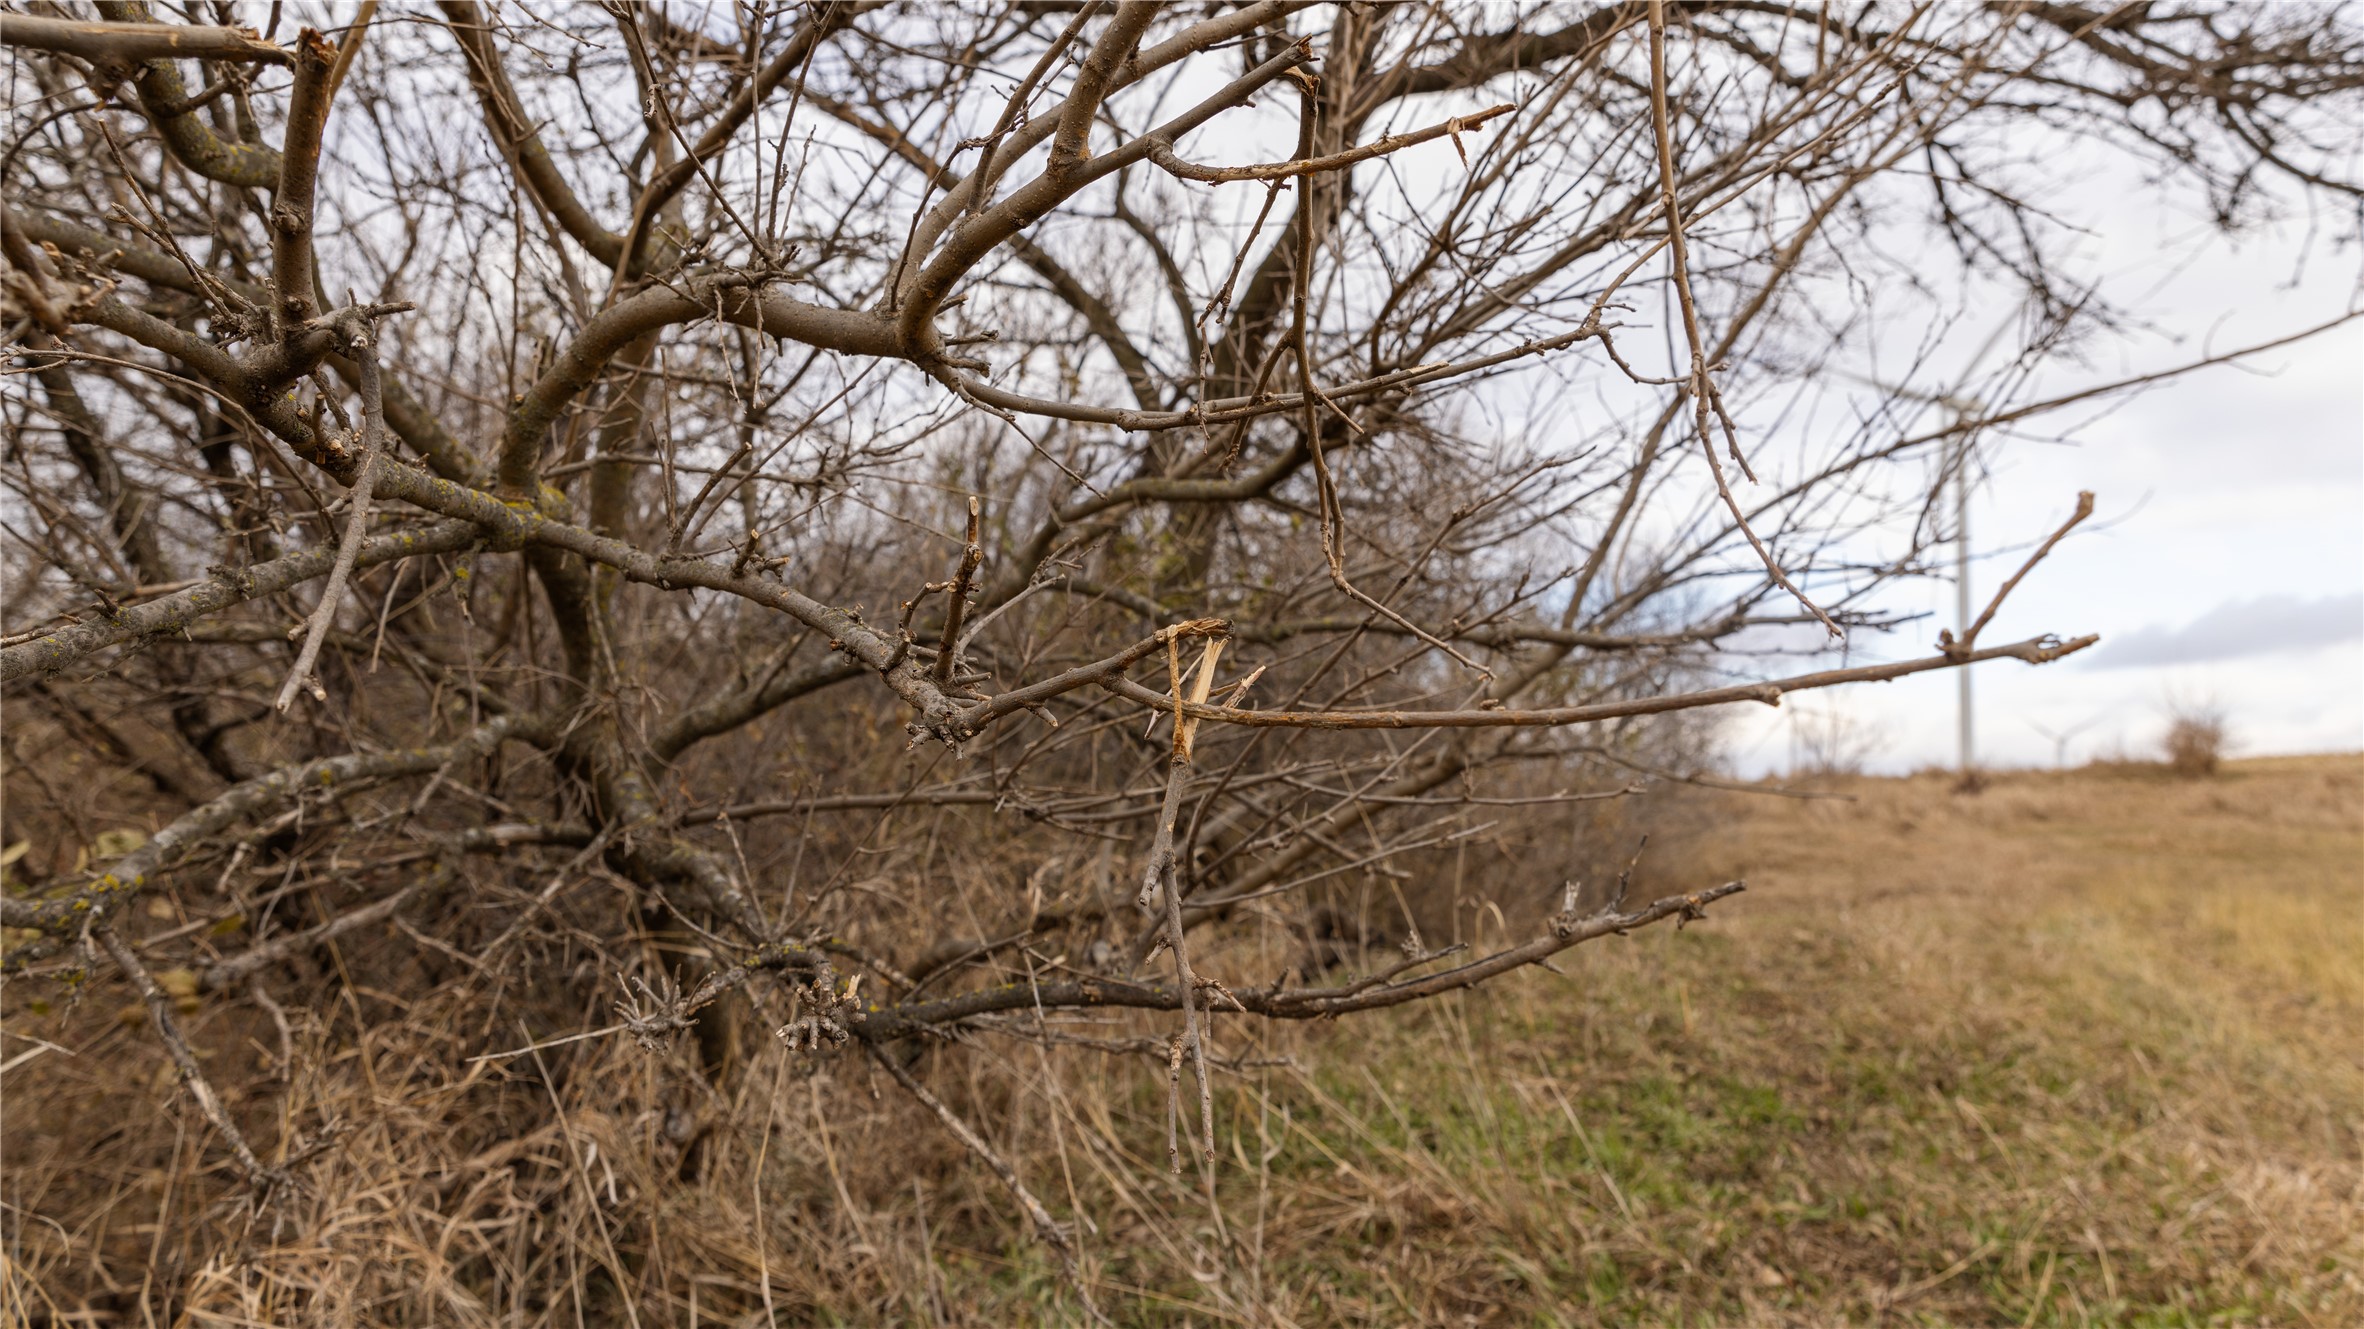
2037 650
225 589
165 99
131 43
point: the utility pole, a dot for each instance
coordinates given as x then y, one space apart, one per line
1960 409
1968 734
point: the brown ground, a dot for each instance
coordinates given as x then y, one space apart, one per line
2085 1049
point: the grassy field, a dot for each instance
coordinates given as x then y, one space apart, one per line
2084 1049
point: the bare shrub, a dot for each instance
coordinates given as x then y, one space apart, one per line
1829 741
2195 740
648 572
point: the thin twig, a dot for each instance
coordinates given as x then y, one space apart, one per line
1045 1226
1163 156
1331 513
247 963
1702 387
956 607
1969 639
2035 650
265 1180
373 414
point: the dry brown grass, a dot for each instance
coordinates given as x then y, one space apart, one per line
2082 1050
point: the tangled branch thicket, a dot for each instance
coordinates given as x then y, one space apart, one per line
956 538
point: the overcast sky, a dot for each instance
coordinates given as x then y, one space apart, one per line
2226 562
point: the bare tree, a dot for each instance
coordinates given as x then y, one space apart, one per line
907 524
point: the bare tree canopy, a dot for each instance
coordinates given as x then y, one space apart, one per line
888 524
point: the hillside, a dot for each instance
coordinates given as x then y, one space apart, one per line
2086 1049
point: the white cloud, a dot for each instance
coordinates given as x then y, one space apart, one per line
2264 626
2223 562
